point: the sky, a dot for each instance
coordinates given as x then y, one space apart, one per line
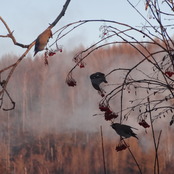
28 18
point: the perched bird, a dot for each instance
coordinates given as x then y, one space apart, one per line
42 40
96 79
124 130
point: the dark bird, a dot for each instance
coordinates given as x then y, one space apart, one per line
124 130
96 79
42 40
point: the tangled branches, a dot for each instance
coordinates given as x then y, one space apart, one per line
13 66
152 75
147 88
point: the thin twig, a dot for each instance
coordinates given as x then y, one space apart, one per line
10 35
103 152
157 149
133 156
156 162
13 66
62 13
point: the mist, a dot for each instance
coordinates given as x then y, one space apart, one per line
44 102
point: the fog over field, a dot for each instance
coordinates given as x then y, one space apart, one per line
52 121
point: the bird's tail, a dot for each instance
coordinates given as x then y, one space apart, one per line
135 135
35 53
133 128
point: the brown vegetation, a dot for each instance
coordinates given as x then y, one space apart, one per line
51 130
75 152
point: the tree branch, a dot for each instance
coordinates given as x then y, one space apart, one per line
13 66
62 13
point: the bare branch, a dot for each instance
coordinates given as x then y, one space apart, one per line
62 13
10 35
13 66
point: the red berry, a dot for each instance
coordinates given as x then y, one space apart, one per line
144 124
51 53
82 65
169 73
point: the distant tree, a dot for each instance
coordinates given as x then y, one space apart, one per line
155 45
149 83
40 44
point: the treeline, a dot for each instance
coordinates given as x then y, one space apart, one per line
76 152
52 130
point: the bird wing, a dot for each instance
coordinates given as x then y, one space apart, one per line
131 133
129 126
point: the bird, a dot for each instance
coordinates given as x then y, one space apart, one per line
124 130
96 79
42 40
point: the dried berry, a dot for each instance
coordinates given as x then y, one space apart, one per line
144 124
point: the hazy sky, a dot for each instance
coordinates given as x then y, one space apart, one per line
30 17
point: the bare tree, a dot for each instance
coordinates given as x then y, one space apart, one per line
152 75
155 82
12 67
156 52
